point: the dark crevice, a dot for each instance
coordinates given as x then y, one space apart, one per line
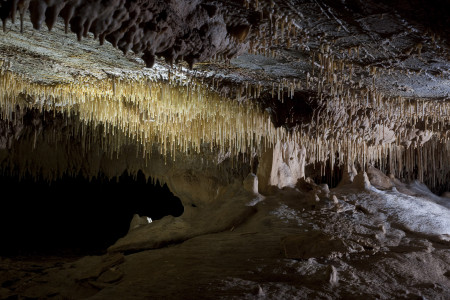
321 174
75 216
293 110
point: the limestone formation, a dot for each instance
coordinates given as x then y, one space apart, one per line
353 121
308 142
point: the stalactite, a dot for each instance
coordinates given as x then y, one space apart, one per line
147 110
181 116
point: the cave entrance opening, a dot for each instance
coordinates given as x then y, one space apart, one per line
75 216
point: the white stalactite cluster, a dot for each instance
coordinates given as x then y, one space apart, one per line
176 115
359 126
355 123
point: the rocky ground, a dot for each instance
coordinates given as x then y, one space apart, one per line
357 241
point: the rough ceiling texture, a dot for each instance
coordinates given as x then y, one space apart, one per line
190 30
301 137
330 74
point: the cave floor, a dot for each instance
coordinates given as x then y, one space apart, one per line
351 244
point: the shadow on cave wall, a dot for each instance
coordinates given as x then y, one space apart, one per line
75 216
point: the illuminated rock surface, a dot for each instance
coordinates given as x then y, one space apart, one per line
301 137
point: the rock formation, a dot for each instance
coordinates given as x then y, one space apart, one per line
300 136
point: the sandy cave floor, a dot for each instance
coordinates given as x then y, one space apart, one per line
353 243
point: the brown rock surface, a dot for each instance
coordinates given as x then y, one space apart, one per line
378 179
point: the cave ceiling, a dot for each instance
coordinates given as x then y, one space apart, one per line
364 79
304 140
406 45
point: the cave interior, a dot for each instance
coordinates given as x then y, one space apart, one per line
231 149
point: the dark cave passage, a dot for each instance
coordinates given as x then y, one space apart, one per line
73 216
331 175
